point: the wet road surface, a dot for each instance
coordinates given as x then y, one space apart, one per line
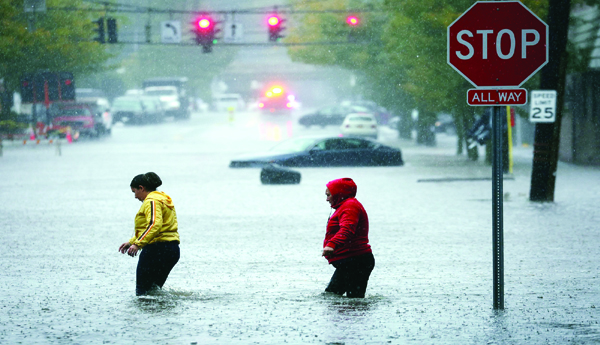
250 269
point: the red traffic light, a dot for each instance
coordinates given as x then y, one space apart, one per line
352 20
204 23
274 21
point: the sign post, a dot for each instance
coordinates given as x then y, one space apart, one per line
497 46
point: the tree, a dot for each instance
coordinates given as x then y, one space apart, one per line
61 41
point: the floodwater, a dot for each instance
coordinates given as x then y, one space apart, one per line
250 270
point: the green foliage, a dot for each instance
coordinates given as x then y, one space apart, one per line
402 58
9 123
62 41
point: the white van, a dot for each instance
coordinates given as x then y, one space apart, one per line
228 102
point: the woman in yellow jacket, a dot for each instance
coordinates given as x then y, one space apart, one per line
155 234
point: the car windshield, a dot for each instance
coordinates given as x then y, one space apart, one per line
126 104
294 145
161 92
361 119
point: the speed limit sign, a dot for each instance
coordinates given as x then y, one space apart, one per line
542 106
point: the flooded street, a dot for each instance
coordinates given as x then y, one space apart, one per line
250 270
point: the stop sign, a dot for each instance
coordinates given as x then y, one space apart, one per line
497 44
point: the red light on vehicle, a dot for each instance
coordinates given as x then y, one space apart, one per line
352 20
277 90
273 20
289 105
203 23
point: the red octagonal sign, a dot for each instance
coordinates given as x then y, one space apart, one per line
497 44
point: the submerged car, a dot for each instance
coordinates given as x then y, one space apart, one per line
324 152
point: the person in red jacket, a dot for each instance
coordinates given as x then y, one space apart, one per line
346 244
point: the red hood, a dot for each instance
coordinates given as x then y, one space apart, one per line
341 189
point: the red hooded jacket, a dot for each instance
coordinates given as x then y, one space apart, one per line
348 227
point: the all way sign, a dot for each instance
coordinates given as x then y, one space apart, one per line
487 97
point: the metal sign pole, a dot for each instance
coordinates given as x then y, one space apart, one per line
497 197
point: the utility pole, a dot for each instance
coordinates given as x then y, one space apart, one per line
553 76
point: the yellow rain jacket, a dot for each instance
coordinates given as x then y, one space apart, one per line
156 221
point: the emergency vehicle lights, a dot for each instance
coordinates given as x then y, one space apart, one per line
274 91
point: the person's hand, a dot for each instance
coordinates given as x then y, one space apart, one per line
123 248
133 249
327 251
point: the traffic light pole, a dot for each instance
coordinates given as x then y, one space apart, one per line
497 201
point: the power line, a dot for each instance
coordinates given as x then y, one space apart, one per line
243 44
147 10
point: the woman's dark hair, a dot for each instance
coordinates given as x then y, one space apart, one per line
149 180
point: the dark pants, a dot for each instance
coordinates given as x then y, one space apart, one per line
351 275
154 265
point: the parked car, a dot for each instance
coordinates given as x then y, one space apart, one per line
183 111
360 125
154 109
445 124
329 115
102 112
99 104
324 152
129 109
78 118
168 97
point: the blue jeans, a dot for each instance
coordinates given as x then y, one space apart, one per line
155 264
351 275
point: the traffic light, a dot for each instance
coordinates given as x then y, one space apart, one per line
352 20
275 27
205 30
111 26
99 30
27 89
67 86
353 23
